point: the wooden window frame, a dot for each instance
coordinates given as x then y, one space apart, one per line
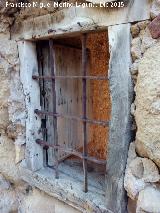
121 89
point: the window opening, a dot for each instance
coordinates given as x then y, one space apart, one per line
82 150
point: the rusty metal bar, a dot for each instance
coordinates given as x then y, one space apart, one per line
84 110
70 151
52 55
72 117
69 77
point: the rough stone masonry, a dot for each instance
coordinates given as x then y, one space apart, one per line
142 173
142 178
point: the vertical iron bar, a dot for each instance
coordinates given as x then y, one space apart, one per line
51 47
84 111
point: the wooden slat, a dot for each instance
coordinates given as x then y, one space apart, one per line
69 93
29 67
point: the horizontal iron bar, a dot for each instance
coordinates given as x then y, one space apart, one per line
70 151
69 77
102 123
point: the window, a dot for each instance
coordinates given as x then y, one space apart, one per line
75 104
103 194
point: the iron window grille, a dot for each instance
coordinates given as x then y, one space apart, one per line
84 155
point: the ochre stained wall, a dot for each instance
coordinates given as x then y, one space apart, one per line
101 104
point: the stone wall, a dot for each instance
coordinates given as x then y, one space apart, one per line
20 197
142 178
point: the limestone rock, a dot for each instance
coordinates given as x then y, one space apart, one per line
15 98
134 68
155 107
4 184
133 108
9 110
8 58
139 173
136 48
20 153
150 172
147 99
154 27
135 30
145 169
8 202
7 10
143 24
8 198
137 168
155 9
37 201
147 40
7 162
15 130
11 131
131 153
8 52
133 185
149 200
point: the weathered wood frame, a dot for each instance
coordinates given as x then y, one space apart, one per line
28 67
120 126
121 89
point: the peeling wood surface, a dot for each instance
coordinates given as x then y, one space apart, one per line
80 19
69 93
29 67
120 127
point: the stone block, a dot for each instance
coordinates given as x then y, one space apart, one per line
136 48
154 27
148 200
140 173
147 114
